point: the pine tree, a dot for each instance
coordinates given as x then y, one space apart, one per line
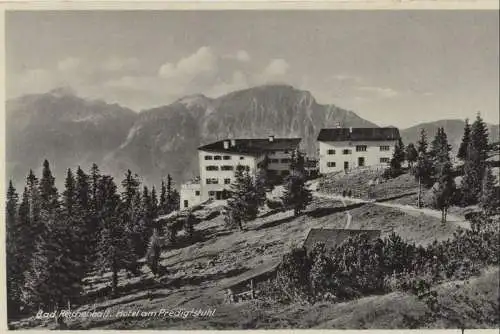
49 196
440 149
479 140
411 154
163 199
95 178
462 150
55 276
34 204
444 192
115 247
297 195
490 198
69 194
14 242
423 168
243 204
154 203
470 188
399 152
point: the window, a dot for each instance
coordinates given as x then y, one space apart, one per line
346 152
227 157
197 193
285 161
274 161
211 193
241 158
212 181
330 152
360 148
226 167
208 157
243 167
385 160
186 203
212 168
385 148
285 152
217 157
330 164
227 181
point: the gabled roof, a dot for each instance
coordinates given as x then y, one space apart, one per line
252 146
333 238
358 134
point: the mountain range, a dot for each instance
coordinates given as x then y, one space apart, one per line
70 131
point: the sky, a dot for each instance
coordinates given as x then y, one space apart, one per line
391 67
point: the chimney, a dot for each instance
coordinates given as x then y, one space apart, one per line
233 142
271 138
350 129
226 144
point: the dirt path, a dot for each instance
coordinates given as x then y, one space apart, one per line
451 218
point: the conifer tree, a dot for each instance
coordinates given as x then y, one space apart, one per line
440 149
14 242
411 154
470 188
423 168
115 247
55 274
49 196
69 194
154 203
443 194
34 204
489 201
462 150
296 194
163 199
399 152
242 206
479 140
95 177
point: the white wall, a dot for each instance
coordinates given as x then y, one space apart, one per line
188 193
372 154
220 175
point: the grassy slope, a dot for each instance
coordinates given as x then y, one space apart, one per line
200 272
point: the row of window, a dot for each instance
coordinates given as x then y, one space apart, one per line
333 164
212 168
214 180
359 148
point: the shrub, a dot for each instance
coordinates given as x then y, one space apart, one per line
274 204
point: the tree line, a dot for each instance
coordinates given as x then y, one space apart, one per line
433 168
55 239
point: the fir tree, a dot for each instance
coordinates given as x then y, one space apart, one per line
479 140
243 204
440 149
154 203
163 199
399 152
444 192
34 204
423 168
470 188
462 150
490 198
95 178
69 194
297 195
115 247
411 154
15 238
55 276
48 192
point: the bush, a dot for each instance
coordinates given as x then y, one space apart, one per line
360 267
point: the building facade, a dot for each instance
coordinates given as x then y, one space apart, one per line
342 149
219 160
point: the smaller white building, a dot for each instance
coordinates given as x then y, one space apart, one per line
190 194
342 149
